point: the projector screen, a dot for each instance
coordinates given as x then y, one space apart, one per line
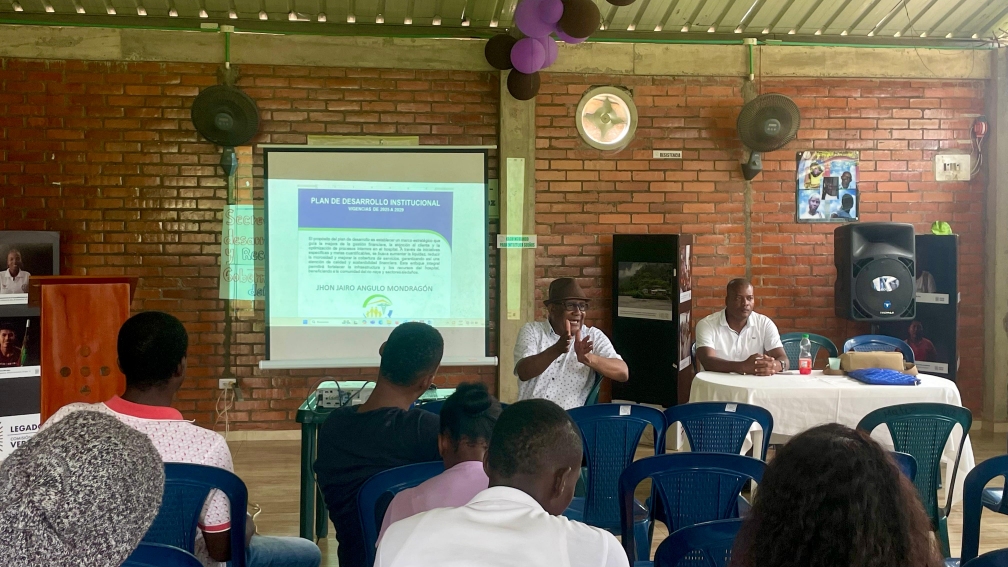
359 240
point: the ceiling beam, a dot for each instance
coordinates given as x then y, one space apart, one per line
912 21
860 17
751 13
607 20
668 14
965 23
641 8
801 23
778 16
720 18
836 14
692 18
941 20
993 22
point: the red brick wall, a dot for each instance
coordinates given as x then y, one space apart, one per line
106 154
585 195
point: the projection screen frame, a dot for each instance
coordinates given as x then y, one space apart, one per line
373 362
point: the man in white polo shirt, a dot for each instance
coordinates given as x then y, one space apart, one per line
557 359
533 462
737 339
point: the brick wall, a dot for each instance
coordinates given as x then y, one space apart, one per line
585 195
106 154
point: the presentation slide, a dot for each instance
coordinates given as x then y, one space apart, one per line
359 241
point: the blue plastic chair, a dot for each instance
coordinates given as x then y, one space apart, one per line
973 488
994 499
879 343
719 427
160 555
610 440
377 492
693 360
704 545
592 397
792 346
921 430
907 464
690 487
187 487
433 406
997 558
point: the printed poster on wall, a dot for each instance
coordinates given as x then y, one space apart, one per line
646 290
827 186
19 382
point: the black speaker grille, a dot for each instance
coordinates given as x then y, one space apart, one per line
225 116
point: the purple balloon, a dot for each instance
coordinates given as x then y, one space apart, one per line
527 18
528 55
550 45
550 11
566 38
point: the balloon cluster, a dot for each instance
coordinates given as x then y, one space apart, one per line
572 21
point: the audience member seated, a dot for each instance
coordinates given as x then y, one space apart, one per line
558 358
152 349
82 492
832 497
737 339
357 442
467 418
534 461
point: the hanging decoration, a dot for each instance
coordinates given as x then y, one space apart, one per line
571 21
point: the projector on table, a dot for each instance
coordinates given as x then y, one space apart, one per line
331 394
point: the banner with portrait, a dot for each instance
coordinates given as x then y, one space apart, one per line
827 186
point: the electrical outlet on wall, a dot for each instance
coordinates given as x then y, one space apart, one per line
225 383
952 167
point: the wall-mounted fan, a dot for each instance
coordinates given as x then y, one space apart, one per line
766 123
228 117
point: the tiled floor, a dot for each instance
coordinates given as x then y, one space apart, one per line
271 471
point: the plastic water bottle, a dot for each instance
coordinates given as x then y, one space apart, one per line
805 356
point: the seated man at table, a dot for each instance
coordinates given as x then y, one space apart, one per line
737 339
357 442
557 359
533 462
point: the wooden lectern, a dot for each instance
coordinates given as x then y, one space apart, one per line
80 319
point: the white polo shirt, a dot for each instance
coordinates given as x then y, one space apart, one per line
566 382
759 336
14 284
500 527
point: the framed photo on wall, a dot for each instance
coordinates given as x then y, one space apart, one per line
827 186
25 253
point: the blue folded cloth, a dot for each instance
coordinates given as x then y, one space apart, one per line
883 377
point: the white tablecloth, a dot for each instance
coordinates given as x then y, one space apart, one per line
800 402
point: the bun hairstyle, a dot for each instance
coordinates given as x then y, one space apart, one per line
470 413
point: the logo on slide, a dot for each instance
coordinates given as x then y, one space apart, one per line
377 307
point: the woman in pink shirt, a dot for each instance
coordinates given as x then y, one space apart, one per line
467 419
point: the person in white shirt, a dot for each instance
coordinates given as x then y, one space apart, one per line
558 358
737 339
813 211
14 279
533 462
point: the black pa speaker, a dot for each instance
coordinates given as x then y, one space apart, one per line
875 271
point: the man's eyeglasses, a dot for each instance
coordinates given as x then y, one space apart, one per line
572 306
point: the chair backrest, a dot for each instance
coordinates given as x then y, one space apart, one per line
704 545
973 487
879 343
690 487
921 430
693 360
187 487
907 464
719 427
592 398
792 346
160 555
377 492
610 434
996 558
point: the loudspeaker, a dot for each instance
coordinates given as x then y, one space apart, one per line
875 271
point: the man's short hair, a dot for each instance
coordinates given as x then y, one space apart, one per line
529 435
7 326
470 412
151 346
737 283
412 351
847 201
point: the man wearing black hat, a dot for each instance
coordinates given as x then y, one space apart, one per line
558 358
